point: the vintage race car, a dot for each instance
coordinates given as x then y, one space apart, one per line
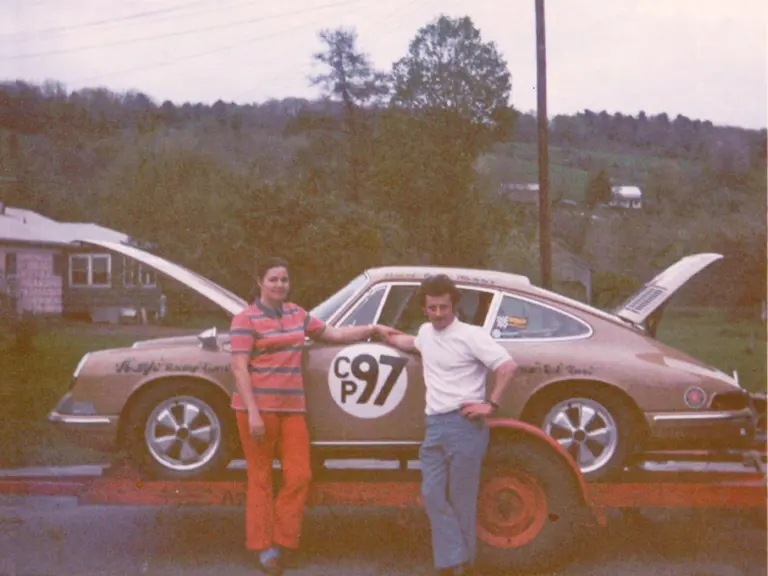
597 382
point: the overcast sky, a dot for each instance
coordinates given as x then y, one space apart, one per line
705 59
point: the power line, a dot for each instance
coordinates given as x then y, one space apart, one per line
182 32
241 43
135 16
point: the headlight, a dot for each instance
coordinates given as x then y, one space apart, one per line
69 406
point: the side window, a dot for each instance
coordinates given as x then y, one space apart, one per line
365 312
518 318
403 309
474 306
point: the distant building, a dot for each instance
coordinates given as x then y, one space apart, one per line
626 197
525 193
45 271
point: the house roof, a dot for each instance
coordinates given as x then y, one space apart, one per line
20 225
627 191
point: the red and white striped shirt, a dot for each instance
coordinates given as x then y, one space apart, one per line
274 340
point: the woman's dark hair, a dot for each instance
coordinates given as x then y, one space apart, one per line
438 286
262 267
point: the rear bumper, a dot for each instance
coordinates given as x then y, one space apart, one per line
87 431
706 430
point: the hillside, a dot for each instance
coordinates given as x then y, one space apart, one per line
191 178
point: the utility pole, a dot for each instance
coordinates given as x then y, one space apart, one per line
545 248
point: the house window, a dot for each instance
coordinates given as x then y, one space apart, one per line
136 274
10 264
147 276
129 272
90 270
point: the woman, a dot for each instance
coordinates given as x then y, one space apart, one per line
267 341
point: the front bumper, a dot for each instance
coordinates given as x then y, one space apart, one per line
705 430
83 428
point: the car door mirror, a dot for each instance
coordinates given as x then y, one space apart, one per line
209 339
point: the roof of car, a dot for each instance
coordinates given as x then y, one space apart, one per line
470 275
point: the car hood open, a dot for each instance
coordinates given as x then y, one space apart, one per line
229 301
638 307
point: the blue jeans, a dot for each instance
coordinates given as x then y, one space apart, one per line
451 457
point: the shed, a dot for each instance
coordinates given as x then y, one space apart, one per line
626 197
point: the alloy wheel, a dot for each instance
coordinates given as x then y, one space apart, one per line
585 429
183 433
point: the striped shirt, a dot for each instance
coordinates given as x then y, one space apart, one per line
274 341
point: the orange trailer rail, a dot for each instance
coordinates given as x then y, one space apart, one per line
679 488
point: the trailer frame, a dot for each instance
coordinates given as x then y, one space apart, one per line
515 512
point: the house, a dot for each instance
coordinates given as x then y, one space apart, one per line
44 270
525 193
626 197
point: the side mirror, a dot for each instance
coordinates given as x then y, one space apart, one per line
209 339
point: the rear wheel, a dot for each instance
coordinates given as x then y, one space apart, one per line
530 506
182 430
596 427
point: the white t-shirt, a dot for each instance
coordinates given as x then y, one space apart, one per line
456 361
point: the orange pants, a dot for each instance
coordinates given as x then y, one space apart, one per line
275 521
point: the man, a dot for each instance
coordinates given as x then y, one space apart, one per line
456 357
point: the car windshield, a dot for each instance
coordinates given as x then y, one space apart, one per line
325 309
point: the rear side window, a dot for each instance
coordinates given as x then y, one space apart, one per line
518 318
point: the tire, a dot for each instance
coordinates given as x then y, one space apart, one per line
530 507
200 448
600 457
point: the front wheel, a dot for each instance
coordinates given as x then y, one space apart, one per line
180 431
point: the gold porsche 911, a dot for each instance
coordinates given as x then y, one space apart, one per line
597 382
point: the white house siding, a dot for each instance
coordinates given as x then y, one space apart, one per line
35 286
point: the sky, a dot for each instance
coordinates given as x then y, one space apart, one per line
705 59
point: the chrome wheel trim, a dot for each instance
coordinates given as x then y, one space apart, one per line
183 433
585 429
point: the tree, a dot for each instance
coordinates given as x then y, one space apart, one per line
350 78
450 68
598 189
450 102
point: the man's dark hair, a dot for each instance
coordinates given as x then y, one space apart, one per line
438 286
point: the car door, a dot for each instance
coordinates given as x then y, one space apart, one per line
369 392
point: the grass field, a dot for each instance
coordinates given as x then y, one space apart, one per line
33 382
569 167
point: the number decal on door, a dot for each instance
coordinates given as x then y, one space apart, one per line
368 380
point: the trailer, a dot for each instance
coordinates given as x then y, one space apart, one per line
533 502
